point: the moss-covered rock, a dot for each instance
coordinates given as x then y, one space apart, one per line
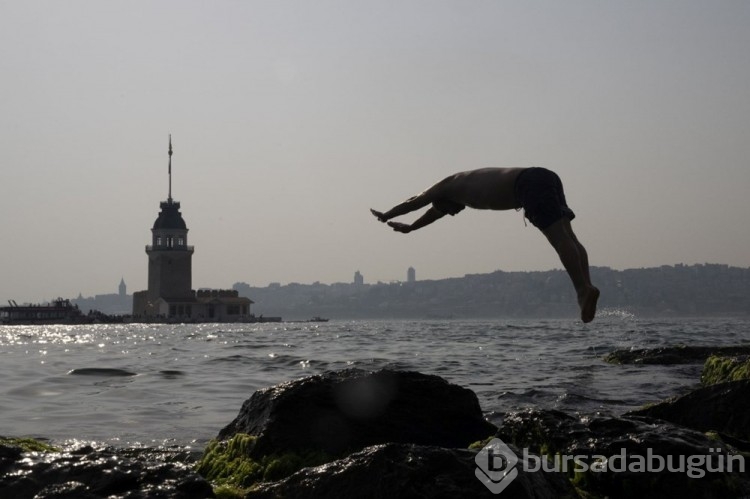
718 369
228 462
229 466
27 444
318 419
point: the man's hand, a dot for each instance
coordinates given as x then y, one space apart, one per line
399 227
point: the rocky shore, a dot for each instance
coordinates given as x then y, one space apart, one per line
398 434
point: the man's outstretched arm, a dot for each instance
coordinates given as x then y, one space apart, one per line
430 216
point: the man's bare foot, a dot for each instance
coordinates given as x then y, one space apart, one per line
588 304
380 216
399 227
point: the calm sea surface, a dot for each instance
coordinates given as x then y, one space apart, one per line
180 384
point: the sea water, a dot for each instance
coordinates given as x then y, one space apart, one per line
137 384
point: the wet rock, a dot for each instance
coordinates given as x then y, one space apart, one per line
316 420
339 412
630 456
722 408
408 471
89 473
13 448
680 354
719 369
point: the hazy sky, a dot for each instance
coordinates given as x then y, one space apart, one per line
289 119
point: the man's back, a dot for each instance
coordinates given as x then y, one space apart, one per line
483 189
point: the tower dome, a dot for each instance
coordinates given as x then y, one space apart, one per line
170 216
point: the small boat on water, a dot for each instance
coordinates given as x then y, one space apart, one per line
317 318
59 311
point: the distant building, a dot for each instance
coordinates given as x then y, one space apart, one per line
358 279
411 275
170 294
119 303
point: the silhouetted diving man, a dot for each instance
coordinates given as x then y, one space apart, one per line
537 190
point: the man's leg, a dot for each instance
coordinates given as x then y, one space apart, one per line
411 204
416 202
576 262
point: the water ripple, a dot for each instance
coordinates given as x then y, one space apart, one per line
100 371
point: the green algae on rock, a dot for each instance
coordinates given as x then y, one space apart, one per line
228 463
718 369
27 444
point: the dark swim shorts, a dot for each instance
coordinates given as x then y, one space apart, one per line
540 193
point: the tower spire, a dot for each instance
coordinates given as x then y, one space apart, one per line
169 199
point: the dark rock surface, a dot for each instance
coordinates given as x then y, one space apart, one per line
673 355
408 471
345 411
88 473
551 432
723 408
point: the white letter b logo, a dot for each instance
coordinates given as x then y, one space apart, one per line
496 466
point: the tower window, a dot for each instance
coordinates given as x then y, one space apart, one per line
180 241
158 240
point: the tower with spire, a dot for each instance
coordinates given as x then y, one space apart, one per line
169 262
170 294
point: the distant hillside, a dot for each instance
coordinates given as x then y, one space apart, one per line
115 304
679 290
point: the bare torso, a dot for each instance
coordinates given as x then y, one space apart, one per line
483 189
